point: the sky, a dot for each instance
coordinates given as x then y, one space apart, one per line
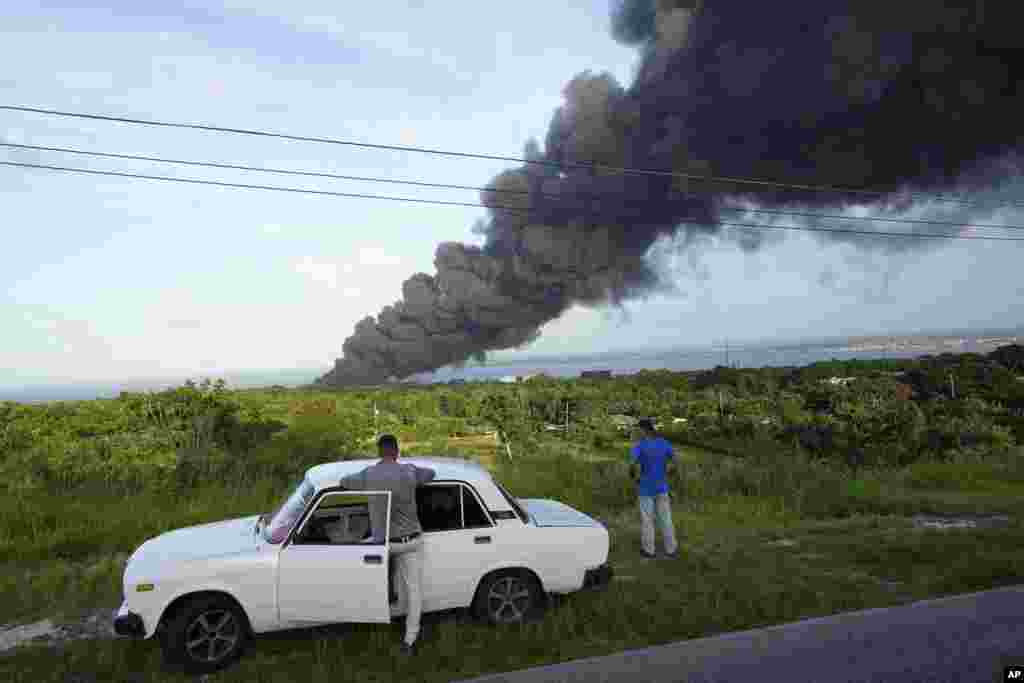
113 279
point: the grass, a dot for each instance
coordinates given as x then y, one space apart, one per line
848 545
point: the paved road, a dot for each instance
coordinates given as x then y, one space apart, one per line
964 638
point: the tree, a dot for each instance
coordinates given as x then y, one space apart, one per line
1010 357
496 409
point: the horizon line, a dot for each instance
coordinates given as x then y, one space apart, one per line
739 346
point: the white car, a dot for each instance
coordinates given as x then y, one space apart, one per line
206 589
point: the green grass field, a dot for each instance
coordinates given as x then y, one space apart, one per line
762 542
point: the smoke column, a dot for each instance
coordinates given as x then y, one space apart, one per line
919 96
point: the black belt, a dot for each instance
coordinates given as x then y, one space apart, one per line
405 539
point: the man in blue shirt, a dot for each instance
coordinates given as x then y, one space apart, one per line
652 454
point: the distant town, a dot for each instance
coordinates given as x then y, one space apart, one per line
929 345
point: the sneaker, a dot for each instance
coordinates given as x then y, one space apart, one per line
647 555
672 555
408 650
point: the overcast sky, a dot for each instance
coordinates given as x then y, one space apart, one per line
108 278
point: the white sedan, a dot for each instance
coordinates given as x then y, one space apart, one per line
206 589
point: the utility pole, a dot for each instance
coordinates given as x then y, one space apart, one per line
952 386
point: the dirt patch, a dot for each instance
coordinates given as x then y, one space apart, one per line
89 625
961 521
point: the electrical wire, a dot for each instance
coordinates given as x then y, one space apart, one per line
275 188
492 157
586 196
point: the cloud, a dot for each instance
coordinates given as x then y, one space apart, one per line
184 324
377 256
319 271
62 344
407 136
330 273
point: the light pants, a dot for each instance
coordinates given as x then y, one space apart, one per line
408 559
660 507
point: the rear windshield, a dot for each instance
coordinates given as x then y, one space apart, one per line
514 503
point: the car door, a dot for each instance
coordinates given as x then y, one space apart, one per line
327 577
459 544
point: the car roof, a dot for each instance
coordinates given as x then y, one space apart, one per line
329 473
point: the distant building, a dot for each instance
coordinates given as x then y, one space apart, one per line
596 374
839 381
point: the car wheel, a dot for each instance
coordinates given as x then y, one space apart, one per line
508 597
205 635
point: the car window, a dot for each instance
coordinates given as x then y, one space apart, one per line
437 506
473 513
338 519
443 507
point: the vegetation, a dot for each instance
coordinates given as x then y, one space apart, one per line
769 454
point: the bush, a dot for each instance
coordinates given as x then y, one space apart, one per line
603 437
947 478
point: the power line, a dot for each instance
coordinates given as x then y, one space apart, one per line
275 188
467 155
245 186
313 174
587 196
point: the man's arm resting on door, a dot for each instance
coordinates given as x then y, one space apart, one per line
353 482
424 474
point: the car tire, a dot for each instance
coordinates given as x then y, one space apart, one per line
206 634
508 597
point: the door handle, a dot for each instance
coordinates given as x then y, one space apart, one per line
482 539
371 559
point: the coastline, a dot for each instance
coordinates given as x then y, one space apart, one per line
567 366
929 345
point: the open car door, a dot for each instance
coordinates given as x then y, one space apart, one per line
331 569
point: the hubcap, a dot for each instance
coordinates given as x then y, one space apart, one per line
211 636
508 600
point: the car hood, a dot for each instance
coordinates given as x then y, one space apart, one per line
545 512
194 543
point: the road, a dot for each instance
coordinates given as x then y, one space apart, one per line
964 639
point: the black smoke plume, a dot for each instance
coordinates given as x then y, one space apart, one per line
895 98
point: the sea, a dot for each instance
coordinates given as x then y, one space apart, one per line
619 363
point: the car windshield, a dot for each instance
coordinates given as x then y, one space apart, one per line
288 513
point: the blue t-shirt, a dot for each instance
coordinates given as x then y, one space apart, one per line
651 455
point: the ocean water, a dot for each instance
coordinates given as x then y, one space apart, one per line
629 363
86 391
620 363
